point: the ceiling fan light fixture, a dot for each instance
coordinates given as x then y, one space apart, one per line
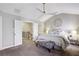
44 11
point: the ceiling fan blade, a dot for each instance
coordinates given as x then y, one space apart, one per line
39 10
54 13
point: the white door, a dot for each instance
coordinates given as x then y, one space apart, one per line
0 32
35 30
18 32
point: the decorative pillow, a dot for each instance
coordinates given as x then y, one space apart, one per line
65 36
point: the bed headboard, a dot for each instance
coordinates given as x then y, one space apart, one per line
55 32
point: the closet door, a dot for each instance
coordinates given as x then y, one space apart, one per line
0 32
18 32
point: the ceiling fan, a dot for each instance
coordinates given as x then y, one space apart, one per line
44 10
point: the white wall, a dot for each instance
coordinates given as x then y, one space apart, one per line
0 32
8 31
41 28
8 37
69 22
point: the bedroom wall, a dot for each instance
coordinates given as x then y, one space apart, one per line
0 32
63 22
41 28
8 29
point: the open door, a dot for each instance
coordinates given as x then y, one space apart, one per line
18 32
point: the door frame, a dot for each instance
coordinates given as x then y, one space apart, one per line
29 22
15 32
33 28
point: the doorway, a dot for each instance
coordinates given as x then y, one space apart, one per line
23 32
27 31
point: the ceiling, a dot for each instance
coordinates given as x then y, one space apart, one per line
28 10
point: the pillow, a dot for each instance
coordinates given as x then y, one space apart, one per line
65 36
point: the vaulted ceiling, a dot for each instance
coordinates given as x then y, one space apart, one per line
29 10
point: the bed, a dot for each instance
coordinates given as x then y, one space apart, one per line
49 41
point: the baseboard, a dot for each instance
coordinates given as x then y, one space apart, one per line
12 46
6 47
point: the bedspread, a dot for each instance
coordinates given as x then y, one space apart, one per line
48 41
